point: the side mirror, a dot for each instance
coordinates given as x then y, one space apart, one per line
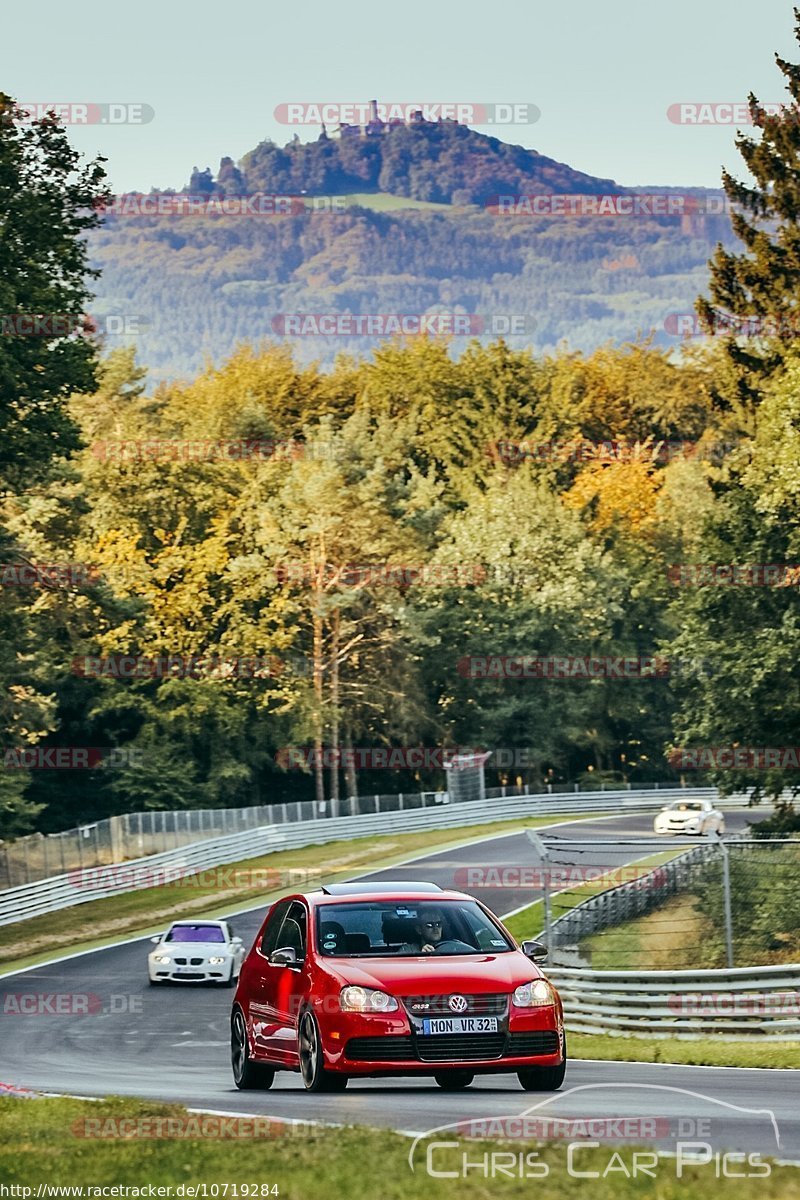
536 951
236 941
286 956
155 940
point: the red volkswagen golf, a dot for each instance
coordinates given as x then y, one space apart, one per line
366 979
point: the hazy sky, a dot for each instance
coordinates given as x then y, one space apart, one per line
603 75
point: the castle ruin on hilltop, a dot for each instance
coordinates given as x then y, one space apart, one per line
377 127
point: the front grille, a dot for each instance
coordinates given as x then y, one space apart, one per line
193 975
489 1004
539 1041
451 1047
380 1049
196 962
457 1046
181 962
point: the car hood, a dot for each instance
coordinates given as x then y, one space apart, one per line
681 816
428 973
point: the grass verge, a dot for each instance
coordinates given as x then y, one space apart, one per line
45 1142
221 891
530 921
700 1052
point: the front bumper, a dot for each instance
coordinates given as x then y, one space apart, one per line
396 1045
190 973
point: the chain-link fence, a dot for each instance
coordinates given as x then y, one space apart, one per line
721 904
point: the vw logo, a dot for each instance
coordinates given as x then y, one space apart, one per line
458 1003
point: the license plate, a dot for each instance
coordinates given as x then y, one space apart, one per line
434 1025
185 971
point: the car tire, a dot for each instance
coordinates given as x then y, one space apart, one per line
543 1079
453 1081
309 1050
246 1074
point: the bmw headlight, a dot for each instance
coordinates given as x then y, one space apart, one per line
161 958
369 1000
536 994
216 961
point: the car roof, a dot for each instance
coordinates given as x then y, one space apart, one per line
414 893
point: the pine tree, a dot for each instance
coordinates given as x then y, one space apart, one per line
760 287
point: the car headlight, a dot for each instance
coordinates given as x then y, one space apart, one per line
161 958
358 999
536 994
215 961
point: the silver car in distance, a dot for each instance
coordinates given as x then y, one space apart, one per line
689 816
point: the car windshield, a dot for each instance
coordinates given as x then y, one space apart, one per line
195 933
404 928
687 806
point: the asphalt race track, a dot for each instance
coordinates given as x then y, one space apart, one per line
172 1043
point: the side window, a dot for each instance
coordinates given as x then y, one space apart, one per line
293 930
269 938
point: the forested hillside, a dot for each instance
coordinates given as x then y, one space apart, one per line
197 286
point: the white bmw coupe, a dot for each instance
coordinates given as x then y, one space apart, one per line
200 951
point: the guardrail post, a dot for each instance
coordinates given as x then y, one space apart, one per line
726 895
544 855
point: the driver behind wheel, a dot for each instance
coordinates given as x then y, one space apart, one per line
429 928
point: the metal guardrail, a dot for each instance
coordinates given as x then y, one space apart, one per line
734 1005
132 835
81 887
626 901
